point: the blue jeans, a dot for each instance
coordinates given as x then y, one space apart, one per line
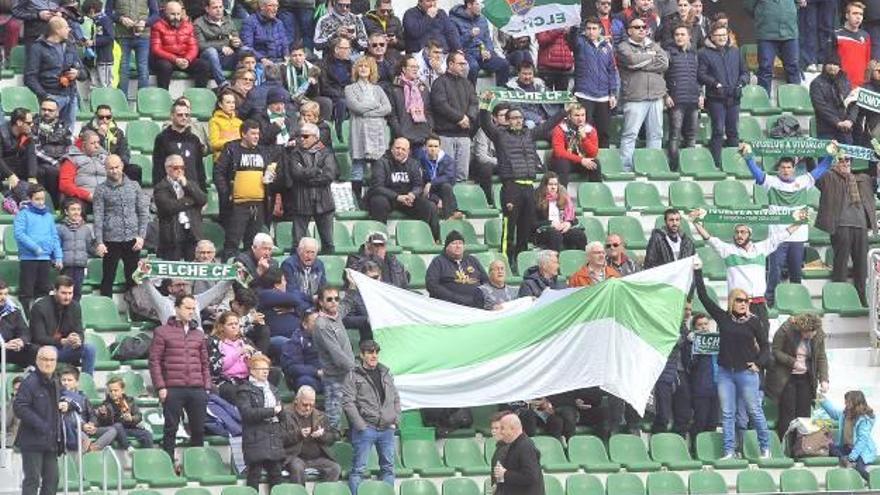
791 255
725 119
141 47
494 64
733 385
636 113
84 354
68 106
788 51
299 23
815 28
333 403
219 62
363 441
358 167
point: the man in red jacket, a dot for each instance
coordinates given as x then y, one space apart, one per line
173 46
83 168
180 373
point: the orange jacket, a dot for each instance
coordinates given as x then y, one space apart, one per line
581 278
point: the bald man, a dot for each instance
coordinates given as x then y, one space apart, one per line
52 69
518 471
173 47
307 439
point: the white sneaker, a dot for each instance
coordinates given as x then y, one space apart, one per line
765 454
728 456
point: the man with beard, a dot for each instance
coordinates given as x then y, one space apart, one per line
173 46
669 243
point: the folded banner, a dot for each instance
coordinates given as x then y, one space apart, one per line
706 343
538 97
865 98
807 147
185 270
528 17
753 217
616 335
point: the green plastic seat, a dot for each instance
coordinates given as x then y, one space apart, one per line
340 141
154 467
362 228
749 128
665 483
588 451
653 164
417 487
844 480
798 480
146 165
115 99
793 299
756 101
203 464
594 229
526 260
100 314
93 473
472 243
710 447
343 452
706 483
671 450
794 98
455 486
141 135
624 484
570 261
755 481
9 273
342 241
154 103
492 233
19 96
552 486
713 266
143 492
422 457
686 195
10 244
596 197
415 236
17 60
472 201
416 267
698 163
874 479
630 451
611 166
583 484
644 198
334 267
103 361
343 165
88 387
751 451
463 454
375 487
331 488
553 458
630 229
841 298
732 195
289 489
732 163
203 101
239 490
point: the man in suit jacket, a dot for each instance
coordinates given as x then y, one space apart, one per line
519 471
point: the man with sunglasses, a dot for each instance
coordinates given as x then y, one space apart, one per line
16 145
385 62
178 139
382 20
668 243
340 22
52 137
112 139
334 351
616 257
179 205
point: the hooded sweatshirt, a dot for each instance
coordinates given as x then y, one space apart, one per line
36 235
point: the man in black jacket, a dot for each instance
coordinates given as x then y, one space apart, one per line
519 472
14 330
454 106
374 249
179 210
453 275
828 92
397 185
178 139
669 243
56 320
683 98
16 145
544 275
39 407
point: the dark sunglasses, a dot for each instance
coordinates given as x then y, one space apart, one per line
610 245
639 27
105 117
740 300
331 299
376 45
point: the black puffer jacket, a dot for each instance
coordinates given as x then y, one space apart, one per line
681 76
827 94
659 253
517 156
452 98
261 435
307 178
723 66
534 284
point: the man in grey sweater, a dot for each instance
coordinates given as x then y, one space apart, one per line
334 351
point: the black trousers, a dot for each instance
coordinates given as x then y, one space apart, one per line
118 251
33 282
481 174
245 221
621 412
422 209
40 471
324 222
682 407
194 401
593 417
255 472
795 401
183 247
554 425
599 114
198 69
705 415
551 238
444 193
565 168
518 207
47 176
663 392
851 243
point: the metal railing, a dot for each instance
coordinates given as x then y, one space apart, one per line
4 454
874 297
79 456
104 452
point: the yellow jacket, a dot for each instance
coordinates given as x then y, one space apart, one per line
221 129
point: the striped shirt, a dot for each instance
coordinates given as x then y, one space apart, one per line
746 267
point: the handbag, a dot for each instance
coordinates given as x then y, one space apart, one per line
815 444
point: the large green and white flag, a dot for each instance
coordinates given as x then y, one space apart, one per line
616 335
528 17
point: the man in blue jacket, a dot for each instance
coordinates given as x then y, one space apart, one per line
476 41
438 173
299 356
52 69
264 35
279 308
304 273
596 80
426 22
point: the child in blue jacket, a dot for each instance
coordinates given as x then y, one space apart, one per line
438 173
38 247
854 443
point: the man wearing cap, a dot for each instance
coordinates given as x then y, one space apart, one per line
277 123
453 275
308 173
372 404
374 249
828 93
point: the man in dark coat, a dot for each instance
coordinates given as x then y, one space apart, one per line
519 472
544 275
669 243
179 210
307 439
453 275
455 109
38 406
14 330
827 93
375 249
178 139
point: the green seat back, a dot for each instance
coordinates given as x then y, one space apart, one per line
692 161
19 96
793 299
417 486
794 98
734 164
375 487
686 195
362 228
331 488
593 195
462 453
844 479
749 128
10 243
754 481
798 480
593 228
651 162
472 200
552 485
710 446
525 260
418 454
9 272
611 164
415 236
754 97
669 447
199 462
751 450
630 229
731 195
627 448
841 297
624 484
17 61
587 449
492 233
342 237
416 267
465 228
334 267
239 490
141 135
115 99
550 449
154 102
289 489
457 486
583 484
665 483
150 464
571 260
642 196
706 483
213 232
203 101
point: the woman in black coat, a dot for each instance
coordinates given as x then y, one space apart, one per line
260 409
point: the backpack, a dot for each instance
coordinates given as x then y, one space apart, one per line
132 347
785 126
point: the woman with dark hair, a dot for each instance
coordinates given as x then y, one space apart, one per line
855 423
558 227
799 366
261 436
228 354
410 115
224 125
